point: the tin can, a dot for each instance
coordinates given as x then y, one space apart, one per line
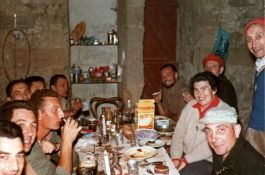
72 40
115 39
110 38
106 74
91 73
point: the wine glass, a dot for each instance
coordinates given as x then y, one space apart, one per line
119 142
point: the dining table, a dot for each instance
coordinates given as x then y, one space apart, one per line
90 145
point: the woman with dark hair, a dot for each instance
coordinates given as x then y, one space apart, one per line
189 150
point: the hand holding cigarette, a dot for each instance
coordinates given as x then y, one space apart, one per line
156 93
157 96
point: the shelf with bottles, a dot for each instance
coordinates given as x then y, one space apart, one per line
112 39
98 82
96 75
100 44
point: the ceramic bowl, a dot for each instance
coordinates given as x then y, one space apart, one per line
164 125
146 134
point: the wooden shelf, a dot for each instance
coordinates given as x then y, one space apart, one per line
94 45
97 82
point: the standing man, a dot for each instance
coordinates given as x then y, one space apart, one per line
17 90
11 149
255 37
169 99
232 154
226 90
50 117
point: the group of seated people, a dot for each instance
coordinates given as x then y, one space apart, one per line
207 137
39 113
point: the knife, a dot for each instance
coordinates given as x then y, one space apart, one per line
152 163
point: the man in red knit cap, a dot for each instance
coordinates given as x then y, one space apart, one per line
226 90
254 33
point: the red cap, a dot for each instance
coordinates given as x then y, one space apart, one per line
258 20
212 57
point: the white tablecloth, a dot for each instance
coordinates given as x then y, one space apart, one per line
162 155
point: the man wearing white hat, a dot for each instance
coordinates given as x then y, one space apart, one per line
232 155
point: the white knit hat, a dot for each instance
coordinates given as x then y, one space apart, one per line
225 114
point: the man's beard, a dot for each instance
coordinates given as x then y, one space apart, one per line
169 85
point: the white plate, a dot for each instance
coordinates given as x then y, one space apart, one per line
140 153
158 143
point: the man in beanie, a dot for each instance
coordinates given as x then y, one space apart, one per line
226 90
254 33
232 154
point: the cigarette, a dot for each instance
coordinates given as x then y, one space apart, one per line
63 121
155 93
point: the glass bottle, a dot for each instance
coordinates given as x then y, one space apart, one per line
116 168
133 167
102 113
72 39
81 75
108 117
114 121
128 112
119 122
102 121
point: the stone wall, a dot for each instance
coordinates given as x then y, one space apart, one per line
48 36
131 30
198 22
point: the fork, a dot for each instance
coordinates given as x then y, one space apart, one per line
150 171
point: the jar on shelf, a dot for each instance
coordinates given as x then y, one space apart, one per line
72 40
76 74
85 74
97 73
91 73
110 37
81 75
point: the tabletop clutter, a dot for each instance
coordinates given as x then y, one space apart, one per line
108 145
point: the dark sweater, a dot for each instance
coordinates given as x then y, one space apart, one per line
226 91
242 160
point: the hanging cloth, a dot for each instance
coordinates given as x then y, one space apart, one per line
221 43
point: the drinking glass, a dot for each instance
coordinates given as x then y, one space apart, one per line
132 140
119 142
87 168
88 164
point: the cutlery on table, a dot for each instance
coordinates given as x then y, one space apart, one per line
152 163
150 171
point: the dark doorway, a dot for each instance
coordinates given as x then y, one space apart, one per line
159 41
